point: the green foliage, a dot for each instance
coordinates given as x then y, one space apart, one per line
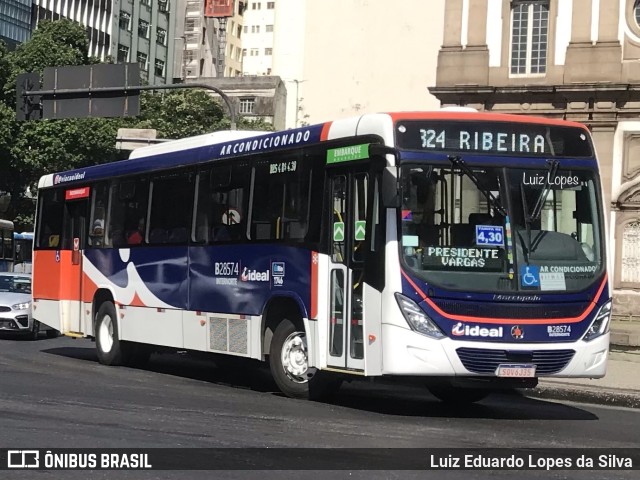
31 149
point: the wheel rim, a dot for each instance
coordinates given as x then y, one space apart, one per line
294 358
105 333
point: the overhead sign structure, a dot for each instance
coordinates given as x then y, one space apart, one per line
94 102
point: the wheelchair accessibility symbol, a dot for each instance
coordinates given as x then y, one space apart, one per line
530 276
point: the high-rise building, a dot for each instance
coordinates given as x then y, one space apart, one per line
140 31
96 16
15 21
257 37
208 45
571 59
144 32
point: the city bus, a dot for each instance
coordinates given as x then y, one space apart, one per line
6 245
459 249
22 251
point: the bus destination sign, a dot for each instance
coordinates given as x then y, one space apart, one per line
500 138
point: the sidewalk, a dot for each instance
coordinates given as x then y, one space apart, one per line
621 384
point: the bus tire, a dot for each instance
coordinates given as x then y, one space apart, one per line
52 333
457 395
108 344
34 333
288 361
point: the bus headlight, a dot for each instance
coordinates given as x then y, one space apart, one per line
600 324
417 319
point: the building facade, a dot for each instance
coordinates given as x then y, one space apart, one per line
144 32
342 58
257 37
15 21
196 42
97 17
572 59
124 31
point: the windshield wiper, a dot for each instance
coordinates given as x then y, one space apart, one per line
529 218
457 161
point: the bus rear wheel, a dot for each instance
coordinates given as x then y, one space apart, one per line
112 350
108 344
289 364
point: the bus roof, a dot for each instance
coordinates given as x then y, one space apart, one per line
228 144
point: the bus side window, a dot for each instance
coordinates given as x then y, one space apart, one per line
51 210
280 199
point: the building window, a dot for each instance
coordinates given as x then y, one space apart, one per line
256 6
125 20
143 28
255 29
145 2
161 36
123 53
529 37
159 70
244 52
163 5
247 105
255 52
269 28
271 5
142 61
268 51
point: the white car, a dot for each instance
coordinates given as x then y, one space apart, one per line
15 307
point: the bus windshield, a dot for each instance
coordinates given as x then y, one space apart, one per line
501 229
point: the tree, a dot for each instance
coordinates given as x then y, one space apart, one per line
29 150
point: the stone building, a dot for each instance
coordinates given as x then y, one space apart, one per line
572 59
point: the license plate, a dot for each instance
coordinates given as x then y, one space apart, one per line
516 370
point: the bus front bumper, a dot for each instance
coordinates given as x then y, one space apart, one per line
406 352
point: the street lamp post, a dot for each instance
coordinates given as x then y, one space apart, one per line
298 82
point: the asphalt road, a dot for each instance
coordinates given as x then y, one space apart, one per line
54 394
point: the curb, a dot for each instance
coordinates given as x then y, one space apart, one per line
580 394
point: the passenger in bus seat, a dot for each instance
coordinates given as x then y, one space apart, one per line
136 236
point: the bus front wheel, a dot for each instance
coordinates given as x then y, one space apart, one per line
108 344
289 364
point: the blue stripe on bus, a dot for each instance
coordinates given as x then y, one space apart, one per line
236 279
263 143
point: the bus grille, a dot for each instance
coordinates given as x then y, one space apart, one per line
511 310
485 361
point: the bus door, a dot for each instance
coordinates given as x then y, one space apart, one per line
74 235
351 203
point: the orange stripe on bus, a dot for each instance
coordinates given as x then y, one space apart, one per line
55 279
531 321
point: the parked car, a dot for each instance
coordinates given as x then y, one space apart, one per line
15 307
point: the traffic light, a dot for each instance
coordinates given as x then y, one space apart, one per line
28 107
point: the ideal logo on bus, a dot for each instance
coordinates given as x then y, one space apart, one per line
254 275
460 330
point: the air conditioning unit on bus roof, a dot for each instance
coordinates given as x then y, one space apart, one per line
194 142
